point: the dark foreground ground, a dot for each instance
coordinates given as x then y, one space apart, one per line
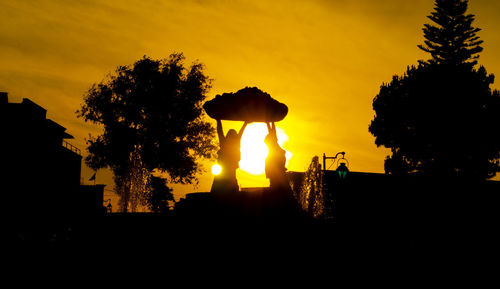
420 223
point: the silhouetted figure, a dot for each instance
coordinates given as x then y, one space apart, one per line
276 159
280 201
228 158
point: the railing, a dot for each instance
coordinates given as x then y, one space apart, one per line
72 147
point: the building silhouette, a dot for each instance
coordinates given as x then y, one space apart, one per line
40 182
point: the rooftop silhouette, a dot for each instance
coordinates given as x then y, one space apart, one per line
41 174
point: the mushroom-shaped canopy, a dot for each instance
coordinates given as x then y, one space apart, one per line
247 104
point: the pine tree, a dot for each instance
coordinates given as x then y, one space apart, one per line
441 118
454 39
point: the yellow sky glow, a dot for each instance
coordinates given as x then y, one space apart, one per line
325 59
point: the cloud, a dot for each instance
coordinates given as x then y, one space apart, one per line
324 59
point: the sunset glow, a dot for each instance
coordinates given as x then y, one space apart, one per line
253 149
325 60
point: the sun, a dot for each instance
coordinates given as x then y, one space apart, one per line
253 149
216 169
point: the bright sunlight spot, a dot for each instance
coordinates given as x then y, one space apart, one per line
216 169
253 149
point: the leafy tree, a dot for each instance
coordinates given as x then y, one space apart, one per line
159 196
441 117
152 119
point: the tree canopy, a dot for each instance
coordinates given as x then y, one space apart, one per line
452 39
441 117
153 122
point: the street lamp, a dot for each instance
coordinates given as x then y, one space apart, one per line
342 168
109 207
331 158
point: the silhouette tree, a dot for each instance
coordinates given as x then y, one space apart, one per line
453 40
152 118
441 118
159 195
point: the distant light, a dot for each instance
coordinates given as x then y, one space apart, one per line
216 169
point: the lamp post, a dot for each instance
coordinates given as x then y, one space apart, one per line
342 170
109 207
332 158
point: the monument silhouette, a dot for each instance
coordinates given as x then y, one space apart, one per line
229 156
249 104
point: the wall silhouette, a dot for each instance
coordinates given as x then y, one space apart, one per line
421 213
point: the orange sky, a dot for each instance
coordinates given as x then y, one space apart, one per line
325 59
